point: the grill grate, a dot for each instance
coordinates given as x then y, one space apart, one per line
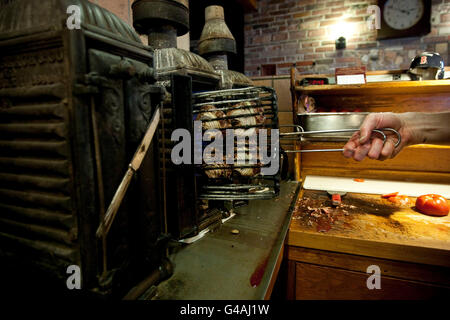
246 111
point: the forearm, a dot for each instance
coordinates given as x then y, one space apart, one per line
432 128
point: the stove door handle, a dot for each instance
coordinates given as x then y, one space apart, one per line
134 165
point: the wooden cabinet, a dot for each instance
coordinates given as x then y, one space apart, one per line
317 275
412 252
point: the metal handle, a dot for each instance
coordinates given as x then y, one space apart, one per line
134 166
302 132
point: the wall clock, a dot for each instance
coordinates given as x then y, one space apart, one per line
404 18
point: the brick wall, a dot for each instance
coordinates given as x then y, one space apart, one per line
284 32
121 8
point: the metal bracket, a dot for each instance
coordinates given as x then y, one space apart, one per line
126 70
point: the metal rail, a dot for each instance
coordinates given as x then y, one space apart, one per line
302 132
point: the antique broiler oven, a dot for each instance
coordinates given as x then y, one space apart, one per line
74 105
239 106
192 201
182 73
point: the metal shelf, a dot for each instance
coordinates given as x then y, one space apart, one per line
391 87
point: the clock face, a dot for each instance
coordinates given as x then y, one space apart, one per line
402 14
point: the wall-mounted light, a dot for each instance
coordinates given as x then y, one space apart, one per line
342 31
341 43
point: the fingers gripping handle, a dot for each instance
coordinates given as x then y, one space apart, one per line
399 137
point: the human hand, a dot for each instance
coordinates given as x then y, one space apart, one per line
365 143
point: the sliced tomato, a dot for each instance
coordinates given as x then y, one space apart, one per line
432 205
401 200
388 195
358 180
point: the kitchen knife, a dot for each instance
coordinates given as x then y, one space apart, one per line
336 197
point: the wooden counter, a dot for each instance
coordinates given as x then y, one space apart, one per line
412 250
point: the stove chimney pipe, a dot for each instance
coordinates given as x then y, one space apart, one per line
161 20
216 40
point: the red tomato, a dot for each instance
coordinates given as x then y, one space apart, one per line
358 180
401 200
388 195
432 205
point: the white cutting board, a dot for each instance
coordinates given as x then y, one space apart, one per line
372 186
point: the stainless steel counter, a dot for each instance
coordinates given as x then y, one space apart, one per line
227 266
